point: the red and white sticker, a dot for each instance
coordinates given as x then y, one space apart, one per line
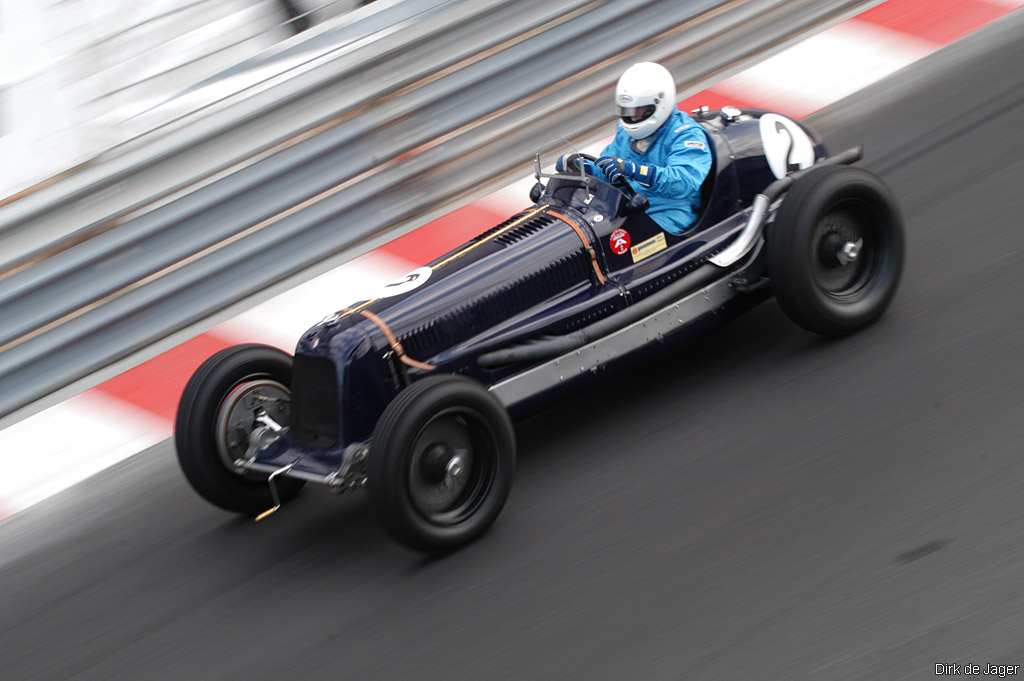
619 241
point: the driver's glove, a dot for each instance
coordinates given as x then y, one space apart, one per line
614 168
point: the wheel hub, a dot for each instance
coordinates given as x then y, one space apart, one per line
454 470
442 466
850 251
829 250
253 415
840 246
436 462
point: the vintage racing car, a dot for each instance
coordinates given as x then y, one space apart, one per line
408 394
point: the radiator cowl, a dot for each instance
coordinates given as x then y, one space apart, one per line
314 402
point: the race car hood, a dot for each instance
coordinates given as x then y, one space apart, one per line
478 288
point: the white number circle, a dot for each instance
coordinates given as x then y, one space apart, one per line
418 277
786 146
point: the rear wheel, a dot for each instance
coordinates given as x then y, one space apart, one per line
441 463
835 250
230 399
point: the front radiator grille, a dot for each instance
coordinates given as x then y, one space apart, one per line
314 401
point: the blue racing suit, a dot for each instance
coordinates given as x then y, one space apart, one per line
675 165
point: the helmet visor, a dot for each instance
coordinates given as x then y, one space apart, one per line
635 114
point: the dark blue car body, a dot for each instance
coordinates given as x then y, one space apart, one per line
546 272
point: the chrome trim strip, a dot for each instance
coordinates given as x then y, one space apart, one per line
592 356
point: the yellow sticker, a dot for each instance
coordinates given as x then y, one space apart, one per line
645 249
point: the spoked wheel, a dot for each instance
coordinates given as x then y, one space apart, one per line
835 251
234 399
441 463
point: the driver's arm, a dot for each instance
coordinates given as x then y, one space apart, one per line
688 165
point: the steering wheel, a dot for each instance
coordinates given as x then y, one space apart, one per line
619 183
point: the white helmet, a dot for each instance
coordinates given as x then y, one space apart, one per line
644 98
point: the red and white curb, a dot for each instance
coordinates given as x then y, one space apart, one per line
60 446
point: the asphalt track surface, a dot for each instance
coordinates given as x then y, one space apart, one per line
760 505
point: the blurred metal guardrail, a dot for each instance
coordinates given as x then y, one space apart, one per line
427 111
82 77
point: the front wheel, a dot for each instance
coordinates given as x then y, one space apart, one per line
441 463
835 250
230 399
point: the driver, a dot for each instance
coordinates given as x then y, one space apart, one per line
659 150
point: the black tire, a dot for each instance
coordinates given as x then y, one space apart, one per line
815 283
196 433
428 426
